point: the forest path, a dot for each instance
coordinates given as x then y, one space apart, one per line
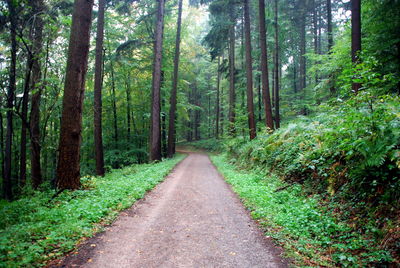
192 219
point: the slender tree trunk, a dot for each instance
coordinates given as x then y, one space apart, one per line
232 95
249 72
36 87
68 169
114 104
355 37
277 68
264 66
155 133
173 100
7 184
24 119
302 26
315 32
329 24
1 142
217 107
98 84
128 107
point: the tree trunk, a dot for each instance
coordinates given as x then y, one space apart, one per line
24 123
128 107
264 66
232 95
7 184
277 68
155 133
355 37
173 100
98 84
36 88
217 107
249 72
302 26
114 104
68 169
329 24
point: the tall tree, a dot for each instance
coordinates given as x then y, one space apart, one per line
355 37
7 184
329 23
68 169
36 88
249 72
277 67
217 106
173 100
302 30
155 132
98 131
264 66
232 94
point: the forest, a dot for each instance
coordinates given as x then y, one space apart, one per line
296 102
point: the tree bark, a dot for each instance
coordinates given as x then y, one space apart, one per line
68 169
355 37
7 184
302 26
217 107
36 88
24 119
329 24
277 67
114 104
264 67
98 84
173 100
232 95
155 132
249 72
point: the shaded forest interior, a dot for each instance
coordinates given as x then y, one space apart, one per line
307 89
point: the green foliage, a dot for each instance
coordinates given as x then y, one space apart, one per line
352 150
308 232
211 145
37 228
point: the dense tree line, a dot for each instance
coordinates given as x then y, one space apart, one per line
154 73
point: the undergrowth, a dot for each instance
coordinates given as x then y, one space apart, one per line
35 229
310 235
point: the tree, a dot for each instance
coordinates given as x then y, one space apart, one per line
36 88
264 66
217 106
172 111
7 185
276 80
98 136
355 37
232 94
68 167
155 132
329 24
249 72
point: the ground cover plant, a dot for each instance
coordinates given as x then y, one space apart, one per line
310 235
37 228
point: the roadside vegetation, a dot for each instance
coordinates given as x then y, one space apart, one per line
39 227
325 185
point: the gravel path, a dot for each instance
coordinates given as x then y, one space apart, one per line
192 219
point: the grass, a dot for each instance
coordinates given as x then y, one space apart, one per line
310 235
35 229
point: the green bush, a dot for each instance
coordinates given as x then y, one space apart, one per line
352 150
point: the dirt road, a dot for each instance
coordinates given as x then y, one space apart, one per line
192 219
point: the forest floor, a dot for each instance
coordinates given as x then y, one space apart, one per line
192 219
